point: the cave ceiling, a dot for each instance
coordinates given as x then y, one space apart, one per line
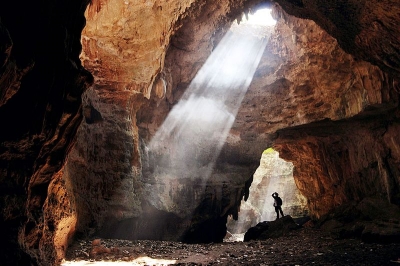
88 88
305 75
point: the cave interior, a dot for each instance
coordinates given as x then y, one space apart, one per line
109 130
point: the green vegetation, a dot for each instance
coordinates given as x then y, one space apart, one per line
269 150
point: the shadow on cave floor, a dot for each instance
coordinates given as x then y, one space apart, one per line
306 246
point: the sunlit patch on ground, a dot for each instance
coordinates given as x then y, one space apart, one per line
138 261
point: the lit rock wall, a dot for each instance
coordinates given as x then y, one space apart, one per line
102 166
276 175
124 47
357 87
273 175
366 29
354 161
125 42
304 77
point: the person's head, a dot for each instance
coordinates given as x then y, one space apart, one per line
275 194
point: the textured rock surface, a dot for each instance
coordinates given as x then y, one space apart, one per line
359 26
357 162
41 83
359 219
273 175
273 229
304 78
125 42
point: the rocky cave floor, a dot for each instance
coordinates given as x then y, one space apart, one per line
305 246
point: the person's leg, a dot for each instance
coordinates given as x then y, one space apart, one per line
277 212
280 209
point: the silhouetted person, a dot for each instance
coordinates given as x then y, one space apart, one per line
277 204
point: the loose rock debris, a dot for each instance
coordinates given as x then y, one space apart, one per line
306 246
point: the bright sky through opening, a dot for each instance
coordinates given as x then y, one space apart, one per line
261 17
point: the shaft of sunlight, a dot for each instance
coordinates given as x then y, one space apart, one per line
196 128
189 141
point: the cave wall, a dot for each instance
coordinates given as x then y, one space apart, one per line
304 76
41 83
273 175
42 80
365 29
349 160
356 161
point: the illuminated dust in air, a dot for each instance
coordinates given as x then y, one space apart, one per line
184 150
191 137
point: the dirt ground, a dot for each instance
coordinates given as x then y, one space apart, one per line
305 246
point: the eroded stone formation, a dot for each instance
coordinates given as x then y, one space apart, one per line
41 83
273 175
326 97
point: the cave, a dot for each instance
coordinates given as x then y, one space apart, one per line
86 85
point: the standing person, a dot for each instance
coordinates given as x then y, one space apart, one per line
277 204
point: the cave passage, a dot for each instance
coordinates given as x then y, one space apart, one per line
273 175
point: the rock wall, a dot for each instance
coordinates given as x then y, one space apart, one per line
359 27
124 201
273 175
41 83
354 161
304 77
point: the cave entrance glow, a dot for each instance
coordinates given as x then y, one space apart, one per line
273 175
189 141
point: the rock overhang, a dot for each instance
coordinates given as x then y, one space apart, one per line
378 48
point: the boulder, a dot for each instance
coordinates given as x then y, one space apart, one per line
274 229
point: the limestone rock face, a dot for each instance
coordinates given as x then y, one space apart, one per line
303 77
273 175
359 27
276 175
124 196
330 107
125 42
364 160
41 83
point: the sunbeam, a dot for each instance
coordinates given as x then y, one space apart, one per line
190 139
